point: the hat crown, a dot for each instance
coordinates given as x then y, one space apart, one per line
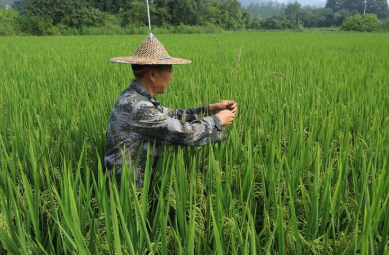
151 49
150 52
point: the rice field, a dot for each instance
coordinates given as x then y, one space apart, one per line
303 171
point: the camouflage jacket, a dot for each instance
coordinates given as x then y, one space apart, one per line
140 123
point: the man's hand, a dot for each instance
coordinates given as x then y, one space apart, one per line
223 105
226 117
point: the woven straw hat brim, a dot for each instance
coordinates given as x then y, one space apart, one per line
167 61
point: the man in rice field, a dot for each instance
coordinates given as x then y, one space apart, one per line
140 123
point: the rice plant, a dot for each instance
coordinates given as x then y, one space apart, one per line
303 171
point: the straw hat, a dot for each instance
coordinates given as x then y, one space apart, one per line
150 52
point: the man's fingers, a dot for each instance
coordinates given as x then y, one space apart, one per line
232 105
226 105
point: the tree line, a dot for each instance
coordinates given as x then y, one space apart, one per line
45 17
278 15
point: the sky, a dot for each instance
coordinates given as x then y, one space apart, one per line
6 2
321 3
318 3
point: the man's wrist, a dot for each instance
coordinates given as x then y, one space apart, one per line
211 108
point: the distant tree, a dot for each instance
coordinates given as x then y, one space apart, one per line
183 11
20 6
226 14
356 6
317 17
345 8
363 23
36 25
334 5
232 15
293 12
353 5
378 7
250 21
162 16
84 16
326 17
136 14
158 3
8 21
276 23
341 15
7 15
75 13
210 13
266 10
385 26
116 5
111 6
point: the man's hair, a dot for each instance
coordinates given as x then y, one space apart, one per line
140 70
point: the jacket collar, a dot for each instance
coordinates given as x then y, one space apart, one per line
140 89
143 92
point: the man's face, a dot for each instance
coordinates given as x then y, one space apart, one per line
162 77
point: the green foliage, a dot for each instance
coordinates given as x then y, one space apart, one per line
277 23
8 24
385 26
7 15
36 25
317 17
266 9
250 21
341 15
297 16
115 29
91 16
66 30
362 23
378 7
74 13
182 11
352 5
231 15
7 29
136 14
185 29
210 14
84 16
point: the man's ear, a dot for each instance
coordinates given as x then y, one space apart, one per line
152 74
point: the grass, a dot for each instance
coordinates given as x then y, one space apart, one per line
304 170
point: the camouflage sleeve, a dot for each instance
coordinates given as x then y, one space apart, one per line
154 125
191 113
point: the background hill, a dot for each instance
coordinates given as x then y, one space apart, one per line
245 3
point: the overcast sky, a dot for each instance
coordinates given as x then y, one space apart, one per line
307 2
319 3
